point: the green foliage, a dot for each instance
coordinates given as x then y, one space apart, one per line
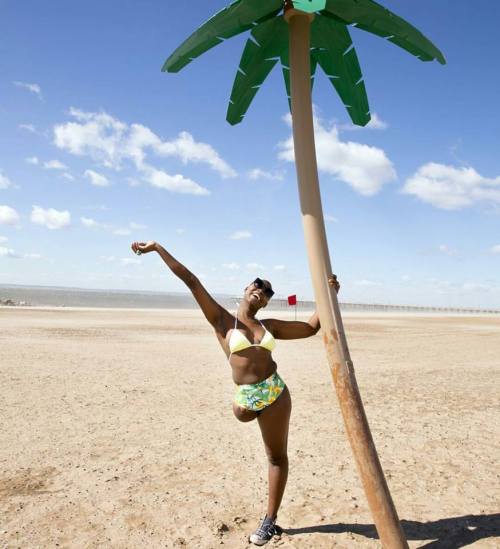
334 52
270 40
372 17
238 17
331 46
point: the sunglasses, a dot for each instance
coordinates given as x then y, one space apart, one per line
259 284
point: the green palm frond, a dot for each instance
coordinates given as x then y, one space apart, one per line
236 18
270 41
334 52
374 18
331 46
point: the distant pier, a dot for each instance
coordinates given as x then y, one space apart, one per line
382 308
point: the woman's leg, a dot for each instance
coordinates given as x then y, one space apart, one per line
273 423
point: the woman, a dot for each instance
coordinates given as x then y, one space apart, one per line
261 393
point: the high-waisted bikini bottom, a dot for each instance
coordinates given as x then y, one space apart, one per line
257 396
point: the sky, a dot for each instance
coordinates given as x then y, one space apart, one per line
99 148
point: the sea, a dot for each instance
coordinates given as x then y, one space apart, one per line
53 296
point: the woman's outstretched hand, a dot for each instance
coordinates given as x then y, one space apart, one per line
332 280
143 247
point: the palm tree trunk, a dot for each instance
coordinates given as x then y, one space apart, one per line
356 424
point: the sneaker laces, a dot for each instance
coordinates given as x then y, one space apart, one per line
268 527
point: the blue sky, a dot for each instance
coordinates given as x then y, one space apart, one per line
99 148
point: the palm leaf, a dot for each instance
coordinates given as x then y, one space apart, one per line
236 18
270 40
334 51
372 17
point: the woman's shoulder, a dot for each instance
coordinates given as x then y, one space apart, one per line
268 323
227 321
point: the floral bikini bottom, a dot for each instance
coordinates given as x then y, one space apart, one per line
258 396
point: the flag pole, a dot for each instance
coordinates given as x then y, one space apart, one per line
292 302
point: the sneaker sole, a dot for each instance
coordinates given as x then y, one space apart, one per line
258 541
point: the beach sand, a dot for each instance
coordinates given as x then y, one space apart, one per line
117 431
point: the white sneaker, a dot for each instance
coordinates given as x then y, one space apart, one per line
265 532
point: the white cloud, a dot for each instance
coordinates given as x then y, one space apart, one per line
108 258
122 232
8 216
231 266
364 168
240 235
137 226
96 179
111 143
33 88
444 249
28 127
495 249
376 123
367 283
90 223
51 218
7 252
98 207
3 239
279 267
475 287
54 165
180 231
67 176
175 183
472 288
188 150
130 261
441 286
5 182
96 135
451 188
257 174
33 160
331 218
253 266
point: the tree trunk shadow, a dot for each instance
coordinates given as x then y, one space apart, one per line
449 533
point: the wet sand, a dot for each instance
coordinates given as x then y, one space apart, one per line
117 431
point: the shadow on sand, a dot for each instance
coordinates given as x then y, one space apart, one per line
449 533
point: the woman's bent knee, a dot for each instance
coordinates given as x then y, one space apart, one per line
242 414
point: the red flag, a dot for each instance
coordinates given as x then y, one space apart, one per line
292 300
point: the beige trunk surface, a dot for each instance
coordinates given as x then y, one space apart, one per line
358 431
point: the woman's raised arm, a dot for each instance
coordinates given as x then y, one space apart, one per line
211 309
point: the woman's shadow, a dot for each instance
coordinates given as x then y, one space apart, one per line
449 533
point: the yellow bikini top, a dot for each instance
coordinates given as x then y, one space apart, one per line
238 341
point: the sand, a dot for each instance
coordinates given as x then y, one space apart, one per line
117 431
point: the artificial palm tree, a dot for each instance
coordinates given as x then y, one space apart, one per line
302 34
